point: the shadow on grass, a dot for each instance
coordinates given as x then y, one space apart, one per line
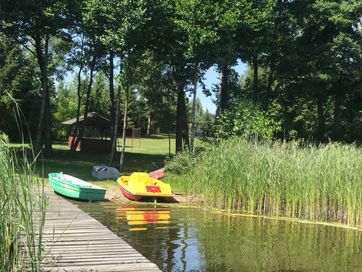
80 164
158 136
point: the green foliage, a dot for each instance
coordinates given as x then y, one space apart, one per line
304 58
17 81
247 120
113 22
65 108
316 183
99 101
204 119
181 163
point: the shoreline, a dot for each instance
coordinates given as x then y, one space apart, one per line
114 193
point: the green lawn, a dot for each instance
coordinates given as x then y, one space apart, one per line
148 154
155 144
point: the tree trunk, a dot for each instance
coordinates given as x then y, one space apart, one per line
115 129
321 118
269 85
169 143
121 160
48 115
114 109
43 66
182 139
111 92
223 95
149 123
255 79
87 101
337 114
193 114
73 147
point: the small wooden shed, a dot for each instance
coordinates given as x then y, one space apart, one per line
96 134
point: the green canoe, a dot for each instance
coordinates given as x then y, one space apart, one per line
72 187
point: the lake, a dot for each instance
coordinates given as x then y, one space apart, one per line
179 238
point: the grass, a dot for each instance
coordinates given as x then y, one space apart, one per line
315 183
148 155
177 182
19 234
155 144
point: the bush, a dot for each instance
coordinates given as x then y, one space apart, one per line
181 163
247 120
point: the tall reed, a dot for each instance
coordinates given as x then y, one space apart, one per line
317 183
22 213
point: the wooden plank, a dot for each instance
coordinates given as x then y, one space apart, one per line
106 268
74 241
91 252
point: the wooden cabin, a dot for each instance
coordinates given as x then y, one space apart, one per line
97 132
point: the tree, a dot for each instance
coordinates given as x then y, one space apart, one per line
115 23
176 43
32 24
17 81
65 107
154 84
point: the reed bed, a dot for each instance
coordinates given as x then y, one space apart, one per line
321 183
22 213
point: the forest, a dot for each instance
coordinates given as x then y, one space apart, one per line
269 181
139 63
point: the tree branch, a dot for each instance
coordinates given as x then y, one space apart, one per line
28 48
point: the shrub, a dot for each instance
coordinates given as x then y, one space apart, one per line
181 163
247 120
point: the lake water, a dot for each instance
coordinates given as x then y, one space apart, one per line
195 239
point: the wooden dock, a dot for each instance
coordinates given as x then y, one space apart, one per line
74 241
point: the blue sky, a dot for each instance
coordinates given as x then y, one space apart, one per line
212 77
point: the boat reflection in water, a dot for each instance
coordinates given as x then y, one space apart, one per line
138 218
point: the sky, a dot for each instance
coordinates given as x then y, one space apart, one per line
212 77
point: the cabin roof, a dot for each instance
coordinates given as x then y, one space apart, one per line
93 119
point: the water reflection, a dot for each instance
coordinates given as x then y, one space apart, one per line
158 232
189 239
142 216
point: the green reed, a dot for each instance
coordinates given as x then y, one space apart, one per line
317 183
22 212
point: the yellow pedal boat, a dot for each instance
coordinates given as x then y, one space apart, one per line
139 185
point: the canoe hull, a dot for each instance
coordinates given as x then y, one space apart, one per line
76 192
129 195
